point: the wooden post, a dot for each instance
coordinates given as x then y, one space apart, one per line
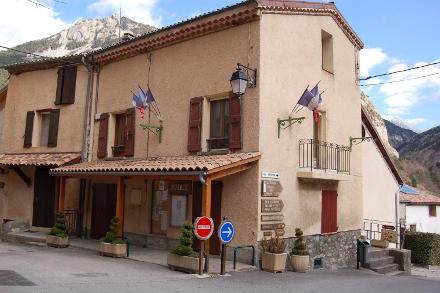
201 258
62 194
120 204
223 260
206 211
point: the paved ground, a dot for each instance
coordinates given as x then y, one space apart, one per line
43 269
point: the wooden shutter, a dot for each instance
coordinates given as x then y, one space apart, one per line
234 122
195 124
53 128
29 128
130 119
69 84
103 134
329 215
59 86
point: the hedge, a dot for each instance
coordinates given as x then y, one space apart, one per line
425 247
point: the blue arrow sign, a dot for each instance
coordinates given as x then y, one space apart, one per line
226 232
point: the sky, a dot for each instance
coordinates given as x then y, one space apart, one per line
397 34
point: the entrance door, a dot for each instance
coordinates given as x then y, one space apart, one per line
44 199
104 208
216 211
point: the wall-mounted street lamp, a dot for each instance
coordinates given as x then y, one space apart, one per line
240 80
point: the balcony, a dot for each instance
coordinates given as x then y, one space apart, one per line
320 160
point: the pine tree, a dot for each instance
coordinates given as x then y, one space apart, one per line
59 229
184 247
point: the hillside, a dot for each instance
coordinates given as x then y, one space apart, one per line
397 135
83 36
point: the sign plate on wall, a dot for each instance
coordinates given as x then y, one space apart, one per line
272 175
271 188
272 226
271 205
269 218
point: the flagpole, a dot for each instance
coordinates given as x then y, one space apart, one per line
149 108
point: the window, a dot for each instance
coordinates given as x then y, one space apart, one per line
327 51
44 128
433 211
66 84
219 124
118 148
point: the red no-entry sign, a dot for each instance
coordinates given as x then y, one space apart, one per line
203 228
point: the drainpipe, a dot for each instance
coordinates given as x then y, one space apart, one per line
396 199
92 114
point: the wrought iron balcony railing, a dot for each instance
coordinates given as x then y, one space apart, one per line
321 155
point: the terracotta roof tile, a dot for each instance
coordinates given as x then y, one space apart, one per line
40 159
422 198
159 164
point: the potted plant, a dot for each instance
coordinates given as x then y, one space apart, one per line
299 257
57 236
274 256
111 244
183 258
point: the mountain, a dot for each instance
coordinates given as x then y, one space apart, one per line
397 135
401 123
83 36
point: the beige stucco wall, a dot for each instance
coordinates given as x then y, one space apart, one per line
290 61
378 185
36 90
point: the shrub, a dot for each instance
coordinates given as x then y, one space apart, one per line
112 235
413 179
274 245
184 247
299 247
59 229
425 247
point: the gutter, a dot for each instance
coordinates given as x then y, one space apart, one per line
199 174
89 77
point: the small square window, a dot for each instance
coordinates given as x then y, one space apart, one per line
433 211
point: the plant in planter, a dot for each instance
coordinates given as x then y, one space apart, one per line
183 258
274 256
58 234
299 257
111 244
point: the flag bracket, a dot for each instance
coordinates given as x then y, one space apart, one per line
358 140
286 123
155 129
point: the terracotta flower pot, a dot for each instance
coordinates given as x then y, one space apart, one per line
187 264
300 263
273 262
55 241
115 250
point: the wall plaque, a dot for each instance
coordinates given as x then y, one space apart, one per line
271 205
271 218
267 233
275 227
271 188
272 175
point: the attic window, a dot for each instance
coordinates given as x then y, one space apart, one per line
327 51
433 210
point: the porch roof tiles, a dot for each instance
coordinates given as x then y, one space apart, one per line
423 198
204 163
39 159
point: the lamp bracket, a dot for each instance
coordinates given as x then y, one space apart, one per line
252 79
358 140
157 130
286 123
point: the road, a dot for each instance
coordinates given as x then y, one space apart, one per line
43 269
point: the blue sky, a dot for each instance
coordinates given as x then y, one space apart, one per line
397 35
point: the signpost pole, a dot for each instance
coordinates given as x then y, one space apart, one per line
201 258
222 270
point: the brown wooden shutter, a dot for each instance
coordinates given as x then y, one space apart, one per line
59 86
53 128
29 128
69 85
103 134
234 122
329 214
195 124
130 120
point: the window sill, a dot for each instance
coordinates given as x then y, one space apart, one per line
329 72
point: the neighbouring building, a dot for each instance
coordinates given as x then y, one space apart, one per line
224 155
380 182
420 211
42 128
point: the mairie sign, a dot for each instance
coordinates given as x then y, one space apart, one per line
203 228
226 232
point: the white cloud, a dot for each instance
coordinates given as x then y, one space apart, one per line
22 21
138 10
370 58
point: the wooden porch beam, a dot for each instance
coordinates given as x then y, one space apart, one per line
120 205
206 210
231 171
62 194
22 175
243 162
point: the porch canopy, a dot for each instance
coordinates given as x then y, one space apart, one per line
204 168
